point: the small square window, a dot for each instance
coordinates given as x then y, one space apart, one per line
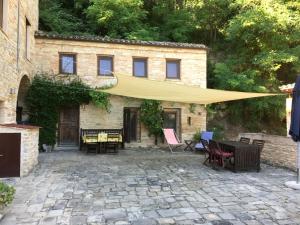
67 64
140 67
105 65
173 69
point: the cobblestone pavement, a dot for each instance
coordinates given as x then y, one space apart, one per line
145 187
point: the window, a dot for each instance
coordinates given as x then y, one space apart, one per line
105 65
67 63
173 68
140 67
27 39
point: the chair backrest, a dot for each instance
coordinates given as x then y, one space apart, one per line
205 144
213 146
259 143
245 140
170 136
207 135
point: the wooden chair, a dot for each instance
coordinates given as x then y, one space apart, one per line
207 151
220 155
245 140
259 143
113 141
91 143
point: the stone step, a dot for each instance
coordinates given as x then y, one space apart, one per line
66 148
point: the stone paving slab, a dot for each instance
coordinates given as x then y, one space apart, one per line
141 187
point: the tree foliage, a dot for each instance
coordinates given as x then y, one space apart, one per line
255 44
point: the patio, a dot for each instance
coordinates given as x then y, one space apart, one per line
149 187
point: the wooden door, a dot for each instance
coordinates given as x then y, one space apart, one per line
172 119
10 149
131 124
69 126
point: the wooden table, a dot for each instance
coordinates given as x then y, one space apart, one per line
246 156
189 145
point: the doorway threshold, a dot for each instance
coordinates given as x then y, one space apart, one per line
66 148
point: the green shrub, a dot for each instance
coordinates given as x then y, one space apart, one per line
6 194
197 135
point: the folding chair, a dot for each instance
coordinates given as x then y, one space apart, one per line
205 135
172 139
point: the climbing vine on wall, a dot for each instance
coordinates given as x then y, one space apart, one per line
152 117
46 96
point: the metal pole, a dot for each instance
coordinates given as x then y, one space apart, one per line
298 162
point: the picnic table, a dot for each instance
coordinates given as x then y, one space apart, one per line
246 156
101 139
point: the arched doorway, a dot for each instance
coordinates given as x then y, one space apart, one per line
21 110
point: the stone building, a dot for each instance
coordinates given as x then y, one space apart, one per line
94 59
18 22
25 52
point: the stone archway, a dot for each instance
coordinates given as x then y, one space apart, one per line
21 110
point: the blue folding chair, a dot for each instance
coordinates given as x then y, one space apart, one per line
206 135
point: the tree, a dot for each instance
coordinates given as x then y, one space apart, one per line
118 18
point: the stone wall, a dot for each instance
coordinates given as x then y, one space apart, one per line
93 117
29 146
192 66
278 150
13 63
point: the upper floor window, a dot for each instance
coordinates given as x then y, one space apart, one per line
27 40
140 67
105 65
67 63
173 68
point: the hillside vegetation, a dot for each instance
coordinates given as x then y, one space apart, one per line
254 43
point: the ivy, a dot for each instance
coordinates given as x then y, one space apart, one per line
46 96
152 117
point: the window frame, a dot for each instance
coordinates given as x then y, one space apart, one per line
98 65
140 59
178 62
74 55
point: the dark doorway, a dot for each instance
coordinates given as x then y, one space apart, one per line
69 126
132 127
10 154
21 109
172 119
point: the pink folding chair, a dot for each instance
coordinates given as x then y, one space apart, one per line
172 139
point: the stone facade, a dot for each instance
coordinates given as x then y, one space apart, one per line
16 70
14 64
192 66
93 117
29 146
278 150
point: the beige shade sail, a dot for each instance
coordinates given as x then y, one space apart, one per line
144 88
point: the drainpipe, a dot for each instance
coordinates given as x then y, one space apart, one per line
18 37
